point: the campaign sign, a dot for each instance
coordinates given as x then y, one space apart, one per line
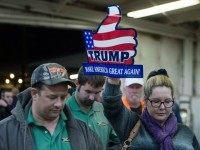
112 48
114 70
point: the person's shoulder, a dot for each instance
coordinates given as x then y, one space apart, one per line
79 123
98 107
185 130
83 127
6 123
94 141
99 104
183 126
70 100
7 120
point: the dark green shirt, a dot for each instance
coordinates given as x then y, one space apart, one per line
44 140
95 119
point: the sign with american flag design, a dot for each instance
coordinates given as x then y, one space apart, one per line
112 47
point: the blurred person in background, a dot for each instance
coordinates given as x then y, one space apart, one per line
6 103
15 91
132 94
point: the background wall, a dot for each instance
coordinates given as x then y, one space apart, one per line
156 51
182 61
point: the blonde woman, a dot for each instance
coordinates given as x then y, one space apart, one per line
157 127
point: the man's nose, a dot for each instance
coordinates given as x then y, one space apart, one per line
134 89
58 102
92 96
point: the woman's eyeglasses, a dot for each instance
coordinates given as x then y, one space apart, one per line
157 102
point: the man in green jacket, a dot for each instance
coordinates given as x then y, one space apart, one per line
85 106
41 121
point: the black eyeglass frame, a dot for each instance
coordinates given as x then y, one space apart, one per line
150 100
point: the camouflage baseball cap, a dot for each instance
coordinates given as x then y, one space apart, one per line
50 74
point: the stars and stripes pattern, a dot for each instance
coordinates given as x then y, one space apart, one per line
109 38
88 35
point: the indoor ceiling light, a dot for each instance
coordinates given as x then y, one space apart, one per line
162 8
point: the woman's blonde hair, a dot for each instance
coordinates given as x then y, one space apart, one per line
156 79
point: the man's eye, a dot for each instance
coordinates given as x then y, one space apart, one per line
52 97
97 93
88 92
64 97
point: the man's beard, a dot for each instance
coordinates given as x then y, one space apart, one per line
87 102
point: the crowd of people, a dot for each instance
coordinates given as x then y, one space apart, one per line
94 114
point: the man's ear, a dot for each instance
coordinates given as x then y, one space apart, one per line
34 93
78 87
77 83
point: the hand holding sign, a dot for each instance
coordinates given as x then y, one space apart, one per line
111 44
115 81
110 50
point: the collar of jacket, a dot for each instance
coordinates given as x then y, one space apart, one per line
24 102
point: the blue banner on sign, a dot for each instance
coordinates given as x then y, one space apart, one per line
113 70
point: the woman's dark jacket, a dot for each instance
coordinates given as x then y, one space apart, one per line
123 121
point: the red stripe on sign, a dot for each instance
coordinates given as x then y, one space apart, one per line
120 47
114 34
111 19
127 62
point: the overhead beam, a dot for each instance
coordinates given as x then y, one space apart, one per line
39 20
63 3
95 17
67 61
186 16
157 28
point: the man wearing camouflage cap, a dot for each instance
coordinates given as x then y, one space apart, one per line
40 119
